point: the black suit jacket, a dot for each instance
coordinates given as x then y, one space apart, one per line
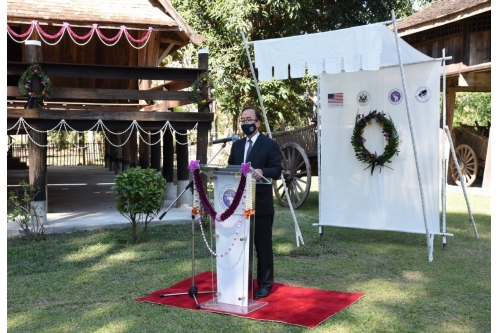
265 155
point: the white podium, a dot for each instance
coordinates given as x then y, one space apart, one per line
233 244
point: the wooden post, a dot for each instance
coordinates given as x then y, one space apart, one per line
186 200
133 149
144 150
156 152
168 165
125 152
106 153
117 165
37 146
487 166
450 111
112 151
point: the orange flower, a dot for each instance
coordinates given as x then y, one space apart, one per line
194 211
248 213
362 131
371 155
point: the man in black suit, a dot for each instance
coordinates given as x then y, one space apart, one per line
265 158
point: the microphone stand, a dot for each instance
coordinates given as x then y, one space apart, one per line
193 289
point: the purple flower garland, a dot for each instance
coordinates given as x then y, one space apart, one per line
203 197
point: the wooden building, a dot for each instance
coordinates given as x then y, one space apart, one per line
102 58
463 29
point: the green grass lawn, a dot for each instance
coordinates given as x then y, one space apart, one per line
88 281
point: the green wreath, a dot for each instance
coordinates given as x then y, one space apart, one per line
390 135
197 88
26 86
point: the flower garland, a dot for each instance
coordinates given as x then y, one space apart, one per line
244 189
25 85
73 35
204 81
389 132
195 168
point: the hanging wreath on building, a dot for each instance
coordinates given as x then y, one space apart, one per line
204 81
25 85
390 135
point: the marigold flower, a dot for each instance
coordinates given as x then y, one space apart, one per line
248 213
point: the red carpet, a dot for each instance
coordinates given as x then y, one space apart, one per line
286 304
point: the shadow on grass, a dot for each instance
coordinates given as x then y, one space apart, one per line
88 281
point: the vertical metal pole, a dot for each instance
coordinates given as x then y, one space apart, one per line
429 244
444 156
268 129
298 233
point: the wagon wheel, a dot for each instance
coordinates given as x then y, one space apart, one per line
297 174
468 163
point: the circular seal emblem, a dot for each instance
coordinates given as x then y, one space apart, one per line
363 98
395 96
423 94
227 195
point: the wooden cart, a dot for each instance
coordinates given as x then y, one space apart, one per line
471 148
299 160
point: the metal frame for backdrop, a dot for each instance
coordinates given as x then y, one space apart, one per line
297 68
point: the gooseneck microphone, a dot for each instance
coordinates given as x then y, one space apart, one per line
232 138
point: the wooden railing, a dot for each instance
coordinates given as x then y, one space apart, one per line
173 79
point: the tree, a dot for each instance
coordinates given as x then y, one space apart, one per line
472 108
221 21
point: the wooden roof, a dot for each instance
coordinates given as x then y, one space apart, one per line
442 12
138 14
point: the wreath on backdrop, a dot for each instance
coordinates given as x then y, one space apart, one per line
25 85
390 135
204 81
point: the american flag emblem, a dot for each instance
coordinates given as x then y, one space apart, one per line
336 100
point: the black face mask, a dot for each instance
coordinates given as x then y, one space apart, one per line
249 129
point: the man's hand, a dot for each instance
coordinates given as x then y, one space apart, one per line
257 174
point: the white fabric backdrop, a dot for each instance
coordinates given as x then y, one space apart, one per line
389 199
367 47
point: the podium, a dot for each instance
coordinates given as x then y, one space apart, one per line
233 243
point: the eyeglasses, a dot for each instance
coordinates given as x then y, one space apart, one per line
248 121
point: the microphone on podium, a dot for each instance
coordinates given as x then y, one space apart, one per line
232 138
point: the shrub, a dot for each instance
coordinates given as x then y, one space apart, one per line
139 195
24 213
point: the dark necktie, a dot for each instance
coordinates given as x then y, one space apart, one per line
248 151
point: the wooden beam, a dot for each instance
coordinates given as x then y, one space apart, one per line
109 94
474 79
171 41
474 89
108 72
19 104
191 117
115 126
173 85
165 54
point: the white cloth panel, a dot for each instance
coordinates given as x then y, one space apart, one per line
389 199
352 44
265 73
281 72
297 69
366 47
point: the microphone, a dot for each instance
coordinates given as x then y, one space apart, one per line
232 138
